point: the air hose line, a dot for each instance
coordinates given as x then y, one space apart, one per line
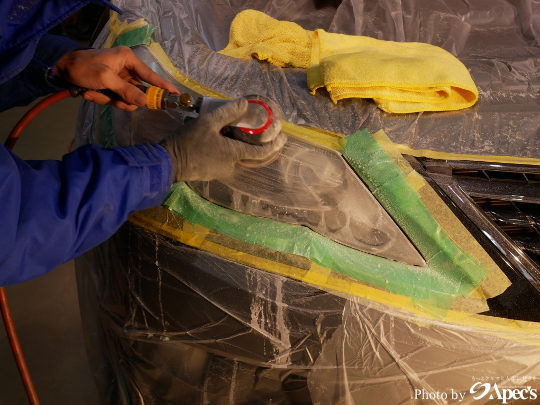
4 305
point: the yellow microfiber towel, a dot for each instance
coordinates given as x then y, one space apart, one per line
256 35
401 77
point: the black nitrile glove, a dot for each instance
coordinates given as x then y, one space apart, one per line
199 153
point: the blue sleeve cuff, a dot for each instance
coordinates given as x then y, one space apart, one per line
157 173
50 49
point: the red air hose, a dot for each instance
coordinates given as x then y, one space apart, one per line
4 305
16 348
31 114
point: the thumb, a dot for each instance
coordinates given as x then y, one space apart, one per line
227 114
261 152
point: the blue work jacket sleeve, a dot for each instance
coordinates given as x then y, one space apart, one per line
53 211
37 78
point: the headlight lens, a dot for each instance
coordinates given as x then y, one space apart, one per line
315 188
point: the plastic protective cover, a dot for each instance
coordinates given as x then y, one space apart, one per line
497 40
170 324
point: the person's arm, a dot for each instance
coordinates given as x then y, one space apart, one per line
37 78
59 62
52 211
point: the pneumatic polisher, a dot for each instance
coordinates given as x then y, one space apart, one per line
259 125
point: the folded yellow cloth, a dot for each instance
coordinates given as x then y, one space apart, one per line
401 77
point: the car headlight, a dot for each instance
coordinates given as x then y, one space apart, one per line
316 188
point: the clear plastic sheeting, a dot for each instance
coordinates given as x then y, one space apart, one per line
377 356
179 326
315 188
497 40
167 322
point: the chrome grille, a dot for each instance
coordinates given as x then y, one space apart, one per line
497 181
500 204
519 220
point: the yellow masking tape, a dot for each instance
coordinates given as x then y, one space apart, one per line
117 28
319 136
529 332
317 275
405 150
496 282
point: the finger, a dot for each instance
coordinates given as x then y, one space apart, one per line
102 99
148 75
96 97
226 114
125 90
123 106
134 81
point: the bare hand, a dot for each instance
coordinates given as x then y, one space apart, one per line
117 69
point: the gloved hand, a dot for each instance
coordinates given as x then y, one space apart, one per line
200 153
